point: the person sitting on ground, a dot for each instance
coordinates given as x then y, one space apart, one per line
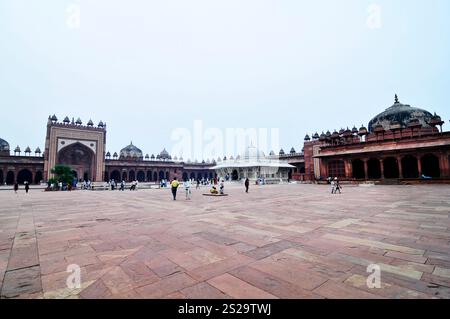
214 190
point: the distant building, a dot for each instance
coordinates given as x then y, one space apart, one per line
82 147
254 165
401 143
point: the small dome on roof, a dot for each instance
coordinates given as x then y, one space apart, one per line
164 154
436 120
281 152
115 154
316 136
307 138
4 145
17 149
362 130
66 120
38 150
272 153
130 151
322 137
100 124
28 150
90 123
152 156
328 134
292 150
335 135
79 122
54 118
354 130
146 156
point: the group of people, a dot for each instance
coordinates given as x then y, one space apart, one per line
16 187
335 185
187 185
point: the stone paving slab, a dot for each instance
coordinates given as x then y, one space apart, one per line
277 241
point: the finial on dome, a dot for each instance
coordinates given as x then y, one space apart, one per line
396 99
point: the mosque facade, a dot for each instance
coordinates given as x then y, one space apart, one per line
401 144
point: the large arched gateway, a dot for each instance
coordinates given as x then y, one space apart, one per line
80 158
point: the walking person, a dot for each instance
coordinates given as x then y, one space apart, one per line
337 186
174 185
247 184
332 183
16 187
27 187
187 188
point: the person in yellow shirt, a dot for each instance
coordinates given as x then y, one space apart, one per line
174 185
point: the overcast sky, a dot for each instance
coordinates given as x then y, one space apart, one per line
148 67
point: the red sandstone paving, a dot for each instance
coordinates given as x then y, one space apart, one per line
281 241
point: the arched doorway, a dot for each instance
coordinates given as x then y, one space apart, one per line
390 165
106 176
115 175
374 168
141 176
290 174
185 176
358 169
149 176
80 158
167 176
192 176
10 178
430 165
131 176
410 168
124 176
24 176
161 175
336 168
38 178
234 175
1 177
211 175
155 176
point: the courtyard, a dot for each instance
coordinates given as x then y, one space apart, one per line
277 241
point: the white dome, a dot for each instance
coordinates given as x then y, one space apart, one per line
252 153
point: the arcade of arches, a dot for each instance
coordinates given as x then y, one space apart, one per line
154 174
21 175
407 166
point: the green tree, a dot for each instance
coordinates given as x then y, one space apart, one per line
63 173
